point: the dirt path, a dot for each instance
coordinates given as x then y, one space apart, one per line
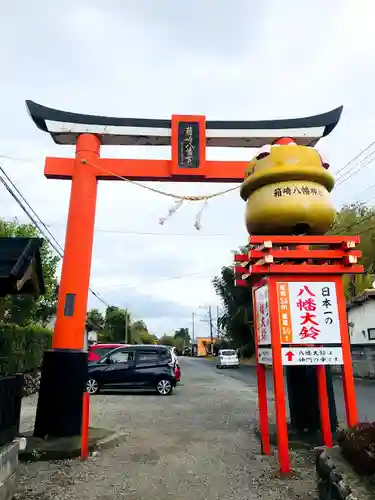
196 444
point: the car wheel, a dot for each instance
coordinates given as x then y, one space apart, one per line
164 387
92 386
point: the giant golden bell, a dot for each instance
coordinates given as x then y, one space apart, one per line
287 192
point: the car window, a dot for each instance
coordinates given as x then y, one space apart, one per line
101 351
122 356
147 356
228 352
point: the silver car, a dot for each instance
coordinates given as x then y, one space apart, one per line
227 357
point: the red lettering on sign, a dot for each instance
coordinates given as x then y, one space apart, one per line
307 304
310 332
306 289
309 318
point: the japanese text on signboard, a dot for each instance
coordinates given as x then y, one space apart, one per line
312 356
284 313
308 312
263 315
306 305
294 190
188 144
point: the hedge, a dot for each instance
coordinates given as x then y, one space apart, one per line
21 348
358 447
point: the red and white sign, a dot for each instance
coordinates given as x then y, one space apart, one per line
312 356
308 312
263 315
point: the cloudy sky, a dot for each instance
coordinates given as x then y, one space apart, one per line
237 59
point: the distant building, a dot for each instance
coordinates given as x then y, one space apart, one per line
205 346
361 327
90 337
361 318
51 322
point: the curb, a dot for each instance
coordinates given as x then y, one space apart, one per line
39 450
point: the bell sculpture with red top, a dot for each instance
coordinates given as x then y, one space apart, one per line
287 191
296 277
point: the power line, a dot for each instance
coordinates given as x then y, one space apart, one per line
354 158
55 243
365 230
148 233
31 208
37 221
346 175
170 278
355 224
343 179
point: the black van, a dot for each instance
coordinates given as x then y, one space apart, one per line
133 367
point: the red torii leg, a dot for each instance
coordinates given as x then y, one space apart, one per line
63 380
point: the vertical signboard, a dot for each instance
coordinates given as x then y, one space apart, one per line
263 325
188 144
263 315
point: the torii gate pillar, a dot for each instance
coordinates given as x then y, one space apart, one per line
64 368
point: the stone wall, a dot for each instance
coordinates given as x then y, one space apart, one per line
31 383
8 468
336 479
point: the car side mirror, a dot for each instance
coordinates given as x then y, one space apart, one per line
108 361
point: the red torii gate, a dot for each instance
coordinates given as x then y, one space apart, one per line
59 411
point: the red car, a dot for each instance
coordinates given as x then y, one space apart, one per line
177 373
97 351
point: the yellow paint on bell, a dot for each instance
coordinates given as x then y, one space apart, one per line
287 192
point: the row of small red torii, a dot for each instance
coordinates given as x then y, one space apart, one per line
272 266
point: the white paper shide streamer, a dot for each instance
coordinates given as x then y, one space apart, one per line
177 204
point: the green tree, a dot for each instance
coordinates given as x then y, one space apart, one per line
140 333
358 219
94 321
354 284
147 338
183 335
117 321
118 324
237 306
167 340
178 342
25 309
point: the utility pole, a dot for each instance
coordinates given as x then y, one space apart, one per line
217 322
193 328
211 329
126 326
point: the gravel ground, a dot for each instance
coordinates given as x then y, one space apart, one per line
196 444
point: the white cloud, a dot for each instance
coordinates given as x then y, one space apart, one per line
142 58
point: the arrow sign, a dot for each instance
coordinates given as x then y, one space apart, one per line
293 356
289 355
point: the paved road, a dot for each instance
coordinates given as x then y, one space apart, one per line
197 444
365 390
